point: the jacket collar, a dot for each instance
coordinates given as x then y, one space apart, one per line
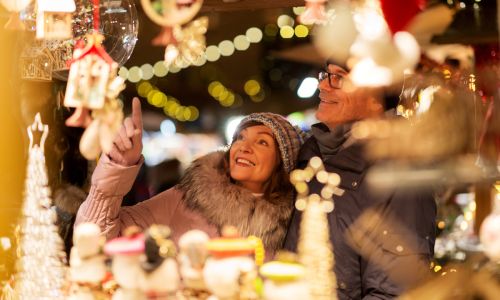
208 190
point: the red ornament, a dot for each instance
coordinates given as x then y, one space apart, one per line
398 14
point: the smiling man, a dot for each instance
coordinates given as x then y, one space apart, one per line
376 275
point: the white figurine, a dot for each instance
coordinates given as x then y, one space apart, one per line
161 275
284 279
192 256
87 263
126 253
230 272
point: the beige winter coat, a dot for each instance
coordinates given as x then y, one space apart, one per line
205 199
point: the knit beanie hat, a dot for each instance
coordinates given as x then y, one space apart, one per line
289 137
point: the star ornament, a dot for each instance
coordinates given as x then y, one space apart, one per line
315 170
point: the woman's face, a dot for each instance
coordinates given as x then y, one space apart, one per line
253 157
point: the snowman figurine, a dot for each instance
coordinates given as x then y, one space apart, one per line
230 272
161 275
192 256
284 279
126 253
87 262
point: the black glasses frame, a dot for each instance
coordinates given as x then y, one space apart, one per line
336 82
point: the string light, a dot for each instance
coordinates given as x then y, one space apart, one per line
170 105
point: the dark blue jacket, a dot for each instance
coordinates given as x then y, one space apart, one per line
396 255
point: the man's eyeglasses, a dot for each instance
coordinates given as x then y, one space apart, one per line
334 79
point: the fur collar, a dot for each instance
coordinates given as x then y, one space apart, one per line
208 190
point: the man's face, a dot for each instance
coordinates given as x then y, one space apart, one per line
339 105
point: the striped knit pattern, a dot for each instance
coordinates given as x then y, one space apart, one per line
289 137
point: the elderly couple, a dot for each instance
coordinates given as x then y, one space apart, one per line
248 187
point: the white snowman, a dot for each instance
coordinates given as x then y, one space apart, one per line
161 278
126 253
87 262
284 279
230 272
192 256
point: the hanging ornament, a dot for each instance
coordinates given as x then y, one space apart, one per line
54 19
186 44
314 13
93 85
14 6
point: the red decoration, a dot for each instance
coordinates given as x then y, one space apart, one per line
398 14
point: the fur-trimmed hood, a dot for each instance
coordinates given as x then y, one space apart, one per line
207 189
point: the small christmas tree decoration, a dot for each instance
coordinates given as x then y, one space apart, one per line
54 19
315 249
41 270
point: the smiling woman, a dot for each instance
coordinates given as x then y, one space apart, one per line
246 186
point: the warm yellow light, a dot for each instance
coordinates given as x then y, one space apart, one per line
194 113
186 114
150 95
218 90
200 61
252 87
468 215
287 32
147 71
228 101
254 35
211 87
226 48
212 53
134 74
301 31
179 114
285 20
144 88
123 73
437 268
159 99
298 10
160 69
174 69
241 43
441 224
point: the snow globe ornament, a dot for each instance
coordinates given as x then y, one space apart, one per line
230 272
161 275
126 253
284 279
192 256
54 19
87 262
